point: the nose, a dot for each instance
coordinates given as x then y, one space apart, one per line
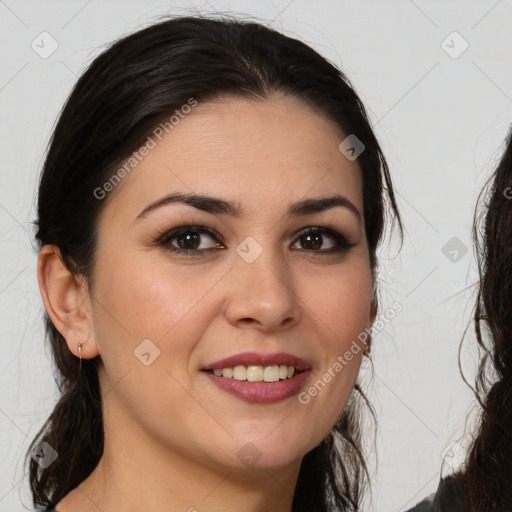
261 294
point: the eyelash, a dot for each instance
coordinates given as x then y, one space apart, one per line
341 243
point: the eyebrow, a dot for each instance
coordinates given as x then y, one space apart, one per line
218 206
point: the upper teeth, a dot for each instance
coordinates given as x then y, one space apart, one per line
257 373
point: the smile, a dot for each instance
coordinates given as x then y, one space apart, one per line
260 392
254 373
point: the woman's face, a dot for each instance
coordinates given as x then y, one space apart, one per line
255 282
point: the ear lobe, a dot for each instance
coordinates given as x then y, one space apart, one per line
66 300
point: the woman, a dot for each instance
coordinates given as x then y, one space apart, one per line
209 213
484 483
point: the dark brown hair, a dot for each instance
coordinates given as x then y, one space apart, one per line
487 474
115 104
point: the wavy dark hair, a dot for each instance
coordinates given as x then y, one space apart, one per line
121 97
487 473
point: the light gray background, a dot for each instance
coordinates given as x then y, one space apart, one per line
441 121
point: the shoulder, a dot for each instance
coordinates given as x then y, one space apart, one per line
449 497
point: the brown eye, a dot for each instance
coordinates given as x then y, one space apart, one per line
190 240
313 239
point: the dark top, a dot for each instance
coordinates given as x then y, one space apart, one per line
449 497
42 508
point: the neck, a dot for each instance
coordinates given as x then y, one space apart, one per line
137 472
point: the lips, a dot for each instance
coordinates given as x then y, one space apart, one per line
258 359
260 392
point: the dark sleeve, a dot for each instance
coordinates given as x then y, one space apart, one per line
449 497
427 505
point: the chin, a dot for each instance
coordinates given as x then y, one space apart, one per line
265 454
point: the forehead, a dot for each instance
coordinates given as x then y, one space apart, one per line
274 150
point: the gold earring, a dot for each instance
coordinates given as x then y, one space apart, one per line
80 351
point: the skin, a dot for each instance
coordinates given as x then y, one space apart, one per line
171 435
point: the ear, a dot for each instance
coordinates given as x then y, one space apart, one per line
373 310
67 301
371 319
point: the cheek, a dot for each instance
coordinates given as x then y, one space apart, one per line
150 298
342 311
139 301
140 298
341 303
